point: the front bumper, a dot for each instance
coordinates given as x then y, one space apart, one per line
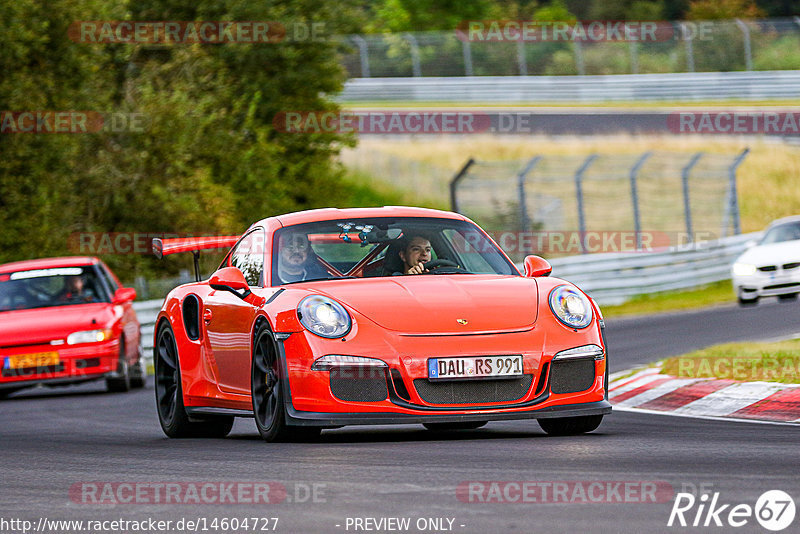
309 400
770 284
75 364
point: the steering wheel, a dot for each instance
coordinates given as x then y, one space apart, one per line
445 265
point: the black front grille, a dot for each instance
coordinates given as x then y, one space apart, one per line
473 391
782 286
358 384
768 268
572 376
30 371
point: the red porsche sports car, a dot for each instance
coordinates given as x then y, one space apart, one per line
393 315
67 320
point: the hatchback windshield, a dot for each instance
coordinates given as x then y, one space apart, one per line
39 288
388 246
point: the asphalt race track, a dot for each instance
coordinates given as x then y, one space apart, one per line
55 443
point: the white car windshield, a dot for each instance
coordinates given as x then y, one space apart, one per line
782 232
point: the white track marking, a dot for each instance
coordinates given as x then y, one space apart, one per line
657 391
730 399
707 417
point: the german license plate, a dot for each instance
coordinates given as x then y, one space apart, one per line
475 367
26 361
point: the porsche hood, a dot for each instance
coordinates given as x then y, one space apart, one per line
434 304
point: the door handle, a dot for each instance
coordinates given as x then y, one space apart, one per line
207 316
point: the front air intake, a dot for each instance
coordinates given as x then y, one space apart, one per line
572 376
354 384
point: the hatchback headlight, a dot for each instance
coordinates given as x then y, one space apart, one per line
88 336
324 316
571 307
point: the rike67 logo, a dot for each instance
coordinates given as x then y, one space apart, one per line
774 510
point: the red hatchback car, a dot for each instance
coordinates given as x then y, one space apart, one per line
67 320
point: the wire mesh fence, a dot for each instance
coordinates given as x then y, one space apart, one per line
702 46
563 205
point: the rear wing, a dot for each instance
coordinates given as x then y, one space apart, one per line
164 247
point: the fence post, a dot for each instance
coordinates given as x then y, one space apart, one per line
465 48
734 196
363 54
637 222
523 203
521 63
634 49
687 205
415 63
689 48
454 184
748 52
579 58
579 198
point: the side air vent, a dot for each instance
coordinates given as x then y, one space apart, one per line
191 317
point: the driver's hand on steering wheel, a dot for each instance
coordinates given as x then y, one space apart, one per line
418 269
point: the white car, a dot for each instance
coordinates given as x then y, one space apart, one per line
771 267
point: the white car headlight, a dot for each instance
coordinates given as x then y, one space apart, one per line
744 269
571 307
324 316
88 336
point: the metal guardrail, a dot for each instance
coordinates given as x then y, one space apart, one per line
613 278
608 278
760 85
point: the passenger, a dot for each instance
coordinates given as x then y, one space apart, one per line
296 259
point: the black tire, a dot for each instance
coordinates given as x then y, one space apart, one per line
747 303
570 426
267 394
169 395
121 383
788 297
4 393
138 373
466 425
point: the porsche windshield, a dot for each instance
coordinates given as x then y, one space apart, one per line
40 288
387 246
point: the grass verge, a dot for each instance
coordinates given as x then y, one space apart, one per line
702 297
772 362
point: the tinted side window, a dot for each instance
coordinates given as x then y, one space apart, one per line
248 257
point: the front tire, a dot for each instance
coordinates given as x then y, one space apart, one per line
122 382
138 374
747 303
570 426
267 394
169 395
788 297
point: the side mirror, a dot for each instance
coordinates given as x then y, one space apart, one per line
537 266
230 279
123 295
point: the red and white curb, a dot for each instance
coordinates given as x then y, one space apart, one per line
648 390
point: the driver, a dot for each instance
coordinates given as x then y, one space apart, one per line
74 290
296 259
415 254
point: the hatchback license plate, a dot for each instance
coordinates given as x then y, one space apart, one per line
475 367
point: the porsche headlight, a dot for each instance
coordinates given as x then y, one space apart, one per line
744 269
88 336
324 316
571 307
